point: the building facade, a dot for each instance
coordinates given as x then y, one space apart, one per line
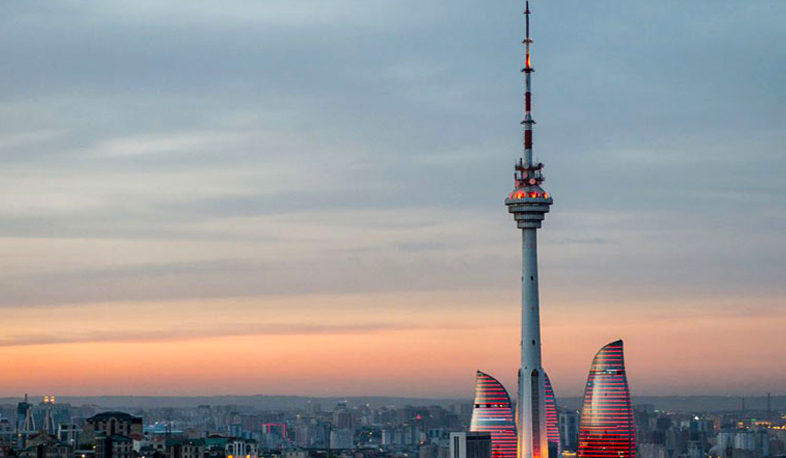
493 414
341 439
607 428
114 446
186 448
110 424
552 420
470 445
569 430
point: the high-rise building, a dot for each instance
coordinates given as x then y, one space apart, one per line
569 430
607 429
25 422
552 420
529 204
344 417
470 445
493 414
49 426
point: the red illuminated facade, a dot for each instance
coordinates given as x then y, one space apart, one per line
493 413
552 420
607 429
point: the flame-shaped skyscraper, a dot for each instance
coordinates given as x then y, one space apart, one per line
529 204
607 429
493 414
552 419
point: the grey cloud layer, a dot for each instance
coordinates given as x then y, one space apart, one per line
223 124
161 335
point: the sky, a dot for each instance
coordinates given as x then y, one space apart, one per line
307 196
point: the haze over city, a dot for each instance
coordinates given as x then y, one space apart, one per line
289 197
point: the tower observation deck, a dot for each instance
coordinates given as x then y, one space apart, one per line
529 204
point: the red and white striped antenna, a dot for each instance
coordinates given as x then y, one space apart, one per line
527 172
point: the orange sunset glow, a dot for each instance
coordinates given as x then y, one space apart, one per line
363 344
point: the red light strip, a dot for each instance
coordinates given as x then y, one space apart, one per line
607 429
493 413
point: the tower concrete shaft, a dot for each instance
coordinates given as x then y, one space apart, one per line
529 204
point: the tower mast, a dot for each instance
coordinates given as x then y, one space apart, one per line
527 70
529 204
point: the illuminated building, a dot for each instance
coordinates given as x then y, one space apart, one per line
493 414
607 429
25 422
529 204
49 421
239 448
552 420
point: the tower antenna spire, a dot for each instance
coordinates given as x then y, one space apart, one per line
527 171
529 204
527 40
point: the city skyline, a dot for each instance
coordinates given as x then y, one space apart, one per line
181 186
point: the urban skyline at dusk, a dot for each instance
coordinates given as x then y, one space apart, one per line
308 200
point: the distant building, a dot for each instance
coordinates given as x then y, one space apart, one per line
493 414
344 418
43 445
569 430
607 429
731 442
7 432
650 450
552 420
465 411
188 448
23 416
430 450
69 433
113 446
111 424
241 448
698 449
470 445
25 422
341 439
294 454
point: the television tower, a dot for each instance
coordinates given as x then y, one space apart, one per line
529 204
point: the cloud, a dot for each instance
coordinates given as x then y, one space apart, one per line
203 318
159 336
157 151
